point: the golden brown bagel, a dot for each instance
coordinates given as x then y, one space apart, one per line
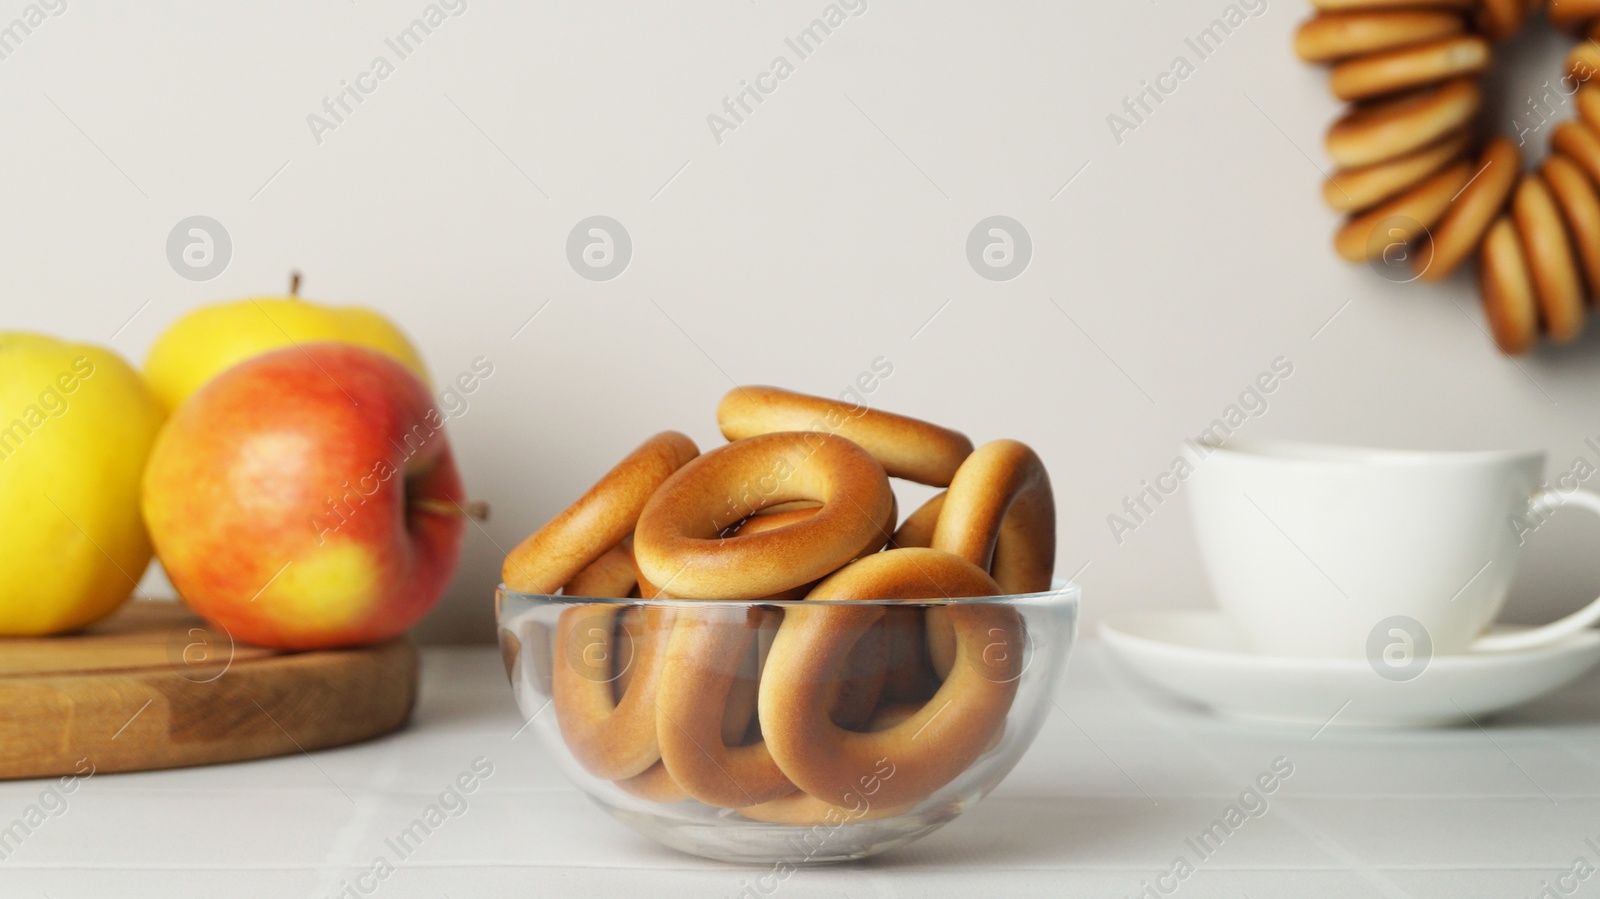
696 697
551 556
1393 127
1331 36
1500 19
654 785
1474 208
678 543
1396 70
906 447
933 746
910 676
1580 208
1403 219
611 576
1556 282
1579 143
785 514
800 809
941 638
1000 515
1583 62
1353 190
917 529
740 708
1508 301
630 623
770 519
610 739
1339 5
739 717
1587 99
1567 13
690 709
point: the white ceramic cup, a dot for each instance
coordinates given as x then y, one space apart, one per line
1319 550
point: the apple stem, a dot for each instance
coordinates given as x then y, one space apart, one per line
294 284
477 509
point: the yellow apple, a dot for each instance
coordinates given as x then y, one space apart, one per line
212 339
76 426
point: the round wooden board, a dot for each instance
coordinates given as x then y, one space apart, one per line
154 687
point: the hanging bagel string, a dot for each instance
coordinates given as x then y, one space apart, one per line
1423 195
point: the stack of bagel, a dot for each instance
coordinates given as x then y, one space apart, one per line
1424 193
754 693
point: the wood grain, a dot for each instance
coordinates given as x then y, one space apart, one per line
154 687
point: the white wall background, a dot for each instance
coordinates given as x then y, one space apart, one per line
826 230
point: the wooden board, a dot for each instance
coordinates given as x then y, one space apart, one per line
153 687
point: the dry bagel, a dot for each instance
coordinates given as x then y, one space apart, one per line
689 715
917 529
999 514
551 556
679 545
1355 190
1549 253
1337 5
694 702
1500 19
1580 143
1580 207
611 576
654 785
1587 99
1388 128
1584 60
910 676
1508 302
906 447
1396 70
808 811
1566 13
1472 211
931 747
611 739
1333 36
1403 219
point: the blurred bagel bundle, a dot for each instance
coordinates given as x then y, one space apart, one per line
1424 194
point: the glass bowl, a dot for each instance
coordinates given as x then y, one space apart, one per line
692 721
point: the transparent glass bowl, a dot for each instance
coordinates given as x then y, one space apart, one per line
842 697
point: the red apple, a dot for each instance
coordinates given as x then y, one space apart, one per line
307 499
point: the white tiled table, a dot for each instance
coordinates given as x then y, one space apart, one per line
1101 805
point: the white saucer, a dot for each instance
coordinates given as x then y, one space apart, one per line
1201 656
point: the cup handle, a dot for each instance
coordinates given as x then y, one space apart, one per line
1563 627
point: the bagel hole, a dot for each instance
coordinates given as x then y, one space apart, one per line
1525 90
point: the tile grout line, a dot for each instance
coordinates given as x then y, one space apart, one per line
655 866
1340 853
342 850
1323 843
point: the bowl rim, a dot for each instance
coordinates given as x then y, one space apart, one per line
1061 593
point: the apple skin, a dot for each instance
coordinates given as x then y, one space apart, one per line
212 339
302 499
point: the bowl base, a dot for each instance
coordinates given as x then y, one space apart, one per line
785 847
